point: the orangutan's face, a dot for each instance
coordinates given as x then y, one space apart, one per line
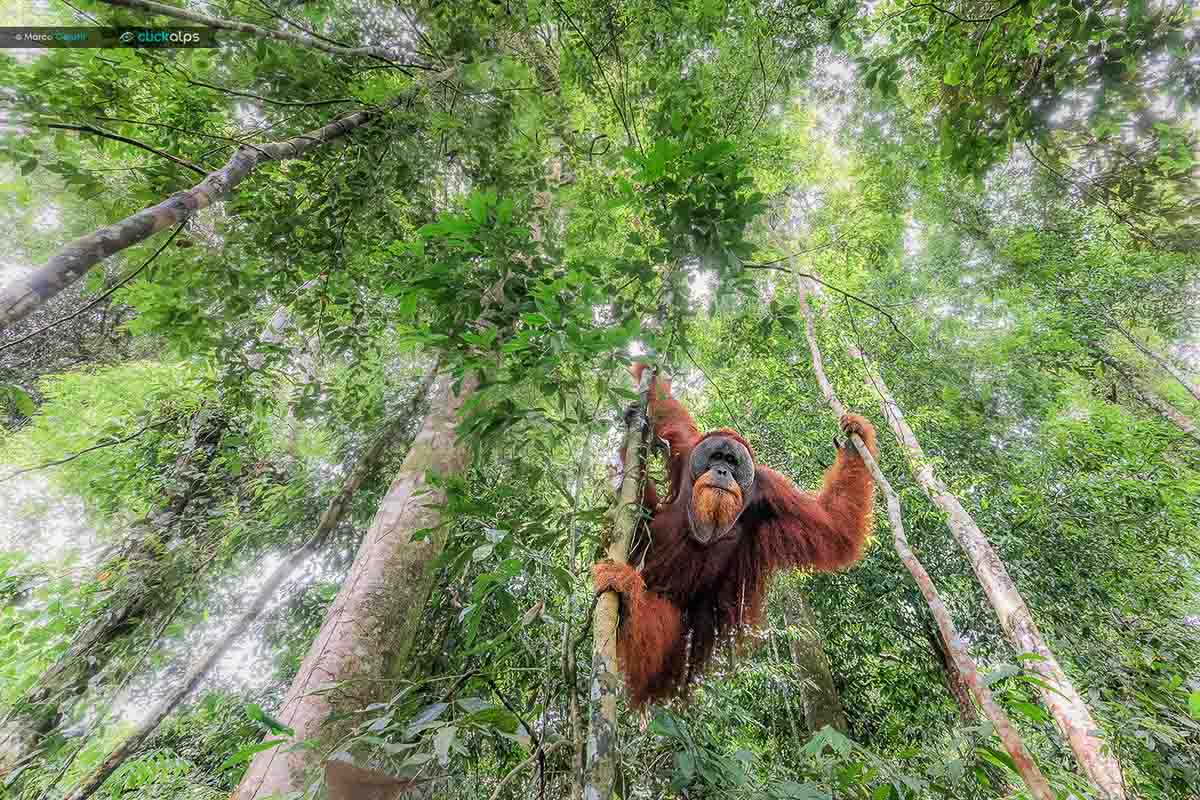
722 477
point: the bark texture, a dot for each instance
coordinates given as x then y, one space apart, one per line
602 754
822 704
333 513
1070 713
1007 733
369 630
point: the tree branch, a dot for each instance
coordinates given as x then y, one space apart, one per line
71 263
260 98
116 137
99 299
74 456
891 320
513 773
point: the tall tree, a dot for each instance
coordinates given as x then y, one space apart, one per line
1070 712
1035 781
822 704
373 622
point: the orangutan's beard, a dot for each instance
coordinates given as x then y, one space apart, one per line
714 510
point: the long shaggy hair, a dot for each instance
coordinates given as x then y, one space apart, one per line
690 597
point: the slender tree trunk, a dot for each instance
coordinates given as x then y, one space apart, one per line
43 706
822 705
787 699
1072 715
1005 730
369 630
1147 396
1159 359
602 754
367 464
569 663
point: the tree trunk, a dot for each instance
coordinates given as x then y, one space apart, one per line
822 705
1168 412
602 753
369 630
1072 715
1146 395
1009 738
1161 360
367 463
43 706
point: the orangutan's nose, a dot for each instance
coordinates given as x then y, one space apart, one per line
723 472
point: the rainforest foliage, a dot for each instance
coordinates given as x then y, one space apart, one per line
995 204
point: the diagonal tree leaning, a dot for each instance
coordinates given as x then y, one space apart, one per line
1071 714
1026 767
200 667
23 295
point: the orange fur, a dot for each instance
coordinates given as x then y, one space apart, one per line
690 596
711 503
650 646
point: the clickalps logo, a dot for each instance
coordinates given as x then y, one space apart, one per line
78 36
165 37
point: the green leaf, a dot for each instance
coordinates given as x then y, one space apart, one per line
953 74
685 764
254 712
998 673
442 742
1029 711
996 758
495 717
249 751
664 724
21 400
429 713
801 791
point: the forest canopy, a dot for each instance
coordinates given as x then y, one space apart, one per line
316 407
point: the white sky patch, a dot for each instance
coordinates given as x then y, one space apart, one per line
701 283
38 520
242 667
11 270
48 218
912 237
